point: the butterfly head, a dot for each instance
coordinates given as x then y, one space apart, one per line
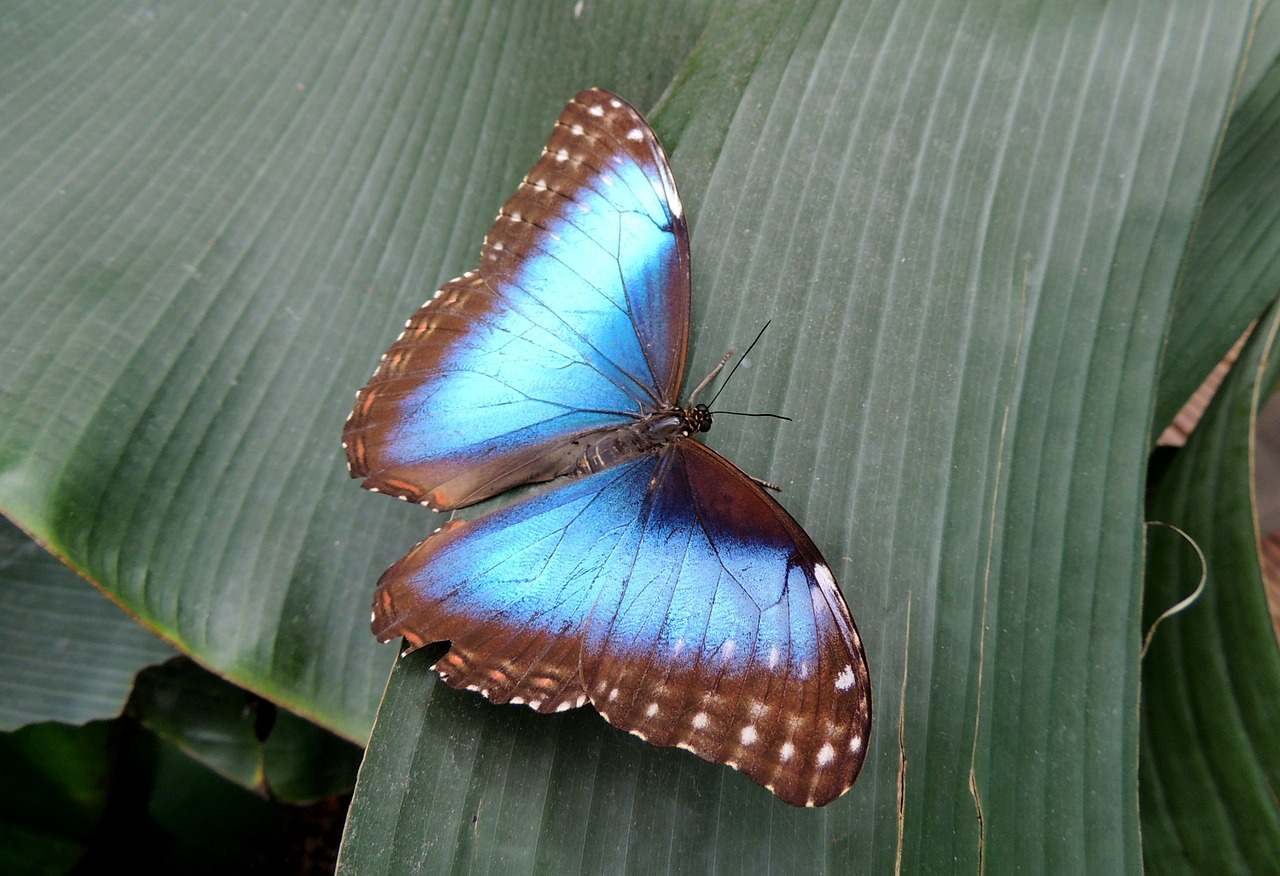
697 418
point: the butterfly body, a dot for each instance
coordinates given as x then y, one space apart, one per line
646 435
651 578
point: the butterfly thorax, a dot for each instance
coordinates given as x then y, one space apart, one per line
647 434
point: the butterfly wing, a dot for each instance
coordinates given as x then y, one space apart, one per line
512 590
723 632
671 592
575 323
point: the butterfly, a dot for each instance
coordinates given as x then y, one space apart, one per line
652 578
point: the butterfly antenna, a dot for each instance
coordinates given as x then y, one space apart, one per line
731 370
743 414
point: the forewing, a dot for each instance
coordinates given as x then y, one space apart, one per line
575 323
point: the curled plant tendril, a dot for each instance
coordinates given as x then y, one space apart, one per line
1182 604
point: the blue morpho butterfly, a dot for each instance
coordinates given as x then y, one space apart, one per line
654 580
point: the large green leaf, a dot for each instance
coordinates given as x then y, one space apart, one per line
1211 679
242 737
967 228
66 653
1232 267
965 219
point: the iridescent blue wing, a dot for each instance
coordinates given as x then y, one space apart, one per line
724 633
575 324
675 595
512 591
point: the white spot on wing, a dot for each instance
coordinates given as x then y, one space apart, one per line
825 579
596 111
562 155
651 711
699 720
748 734
826 754
576 130
855 743
677 208
786 752
845 679
635 135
